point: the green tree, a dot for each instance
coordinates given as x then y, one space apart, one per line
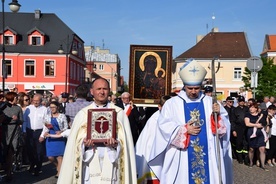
126 87
266 79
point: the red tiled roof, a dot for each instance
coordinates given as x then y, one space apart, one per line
271 42
219 44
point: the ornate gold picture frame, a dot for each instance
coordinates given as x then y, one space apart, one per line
150 73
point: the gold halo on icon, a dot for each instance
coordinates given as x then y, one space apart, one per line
159 69
142 59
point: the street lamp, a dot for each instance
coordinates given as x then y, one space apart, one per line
61 51
14 7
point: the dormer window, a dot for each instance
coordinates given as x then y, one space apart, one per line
36 37
10 36
36 40
8 40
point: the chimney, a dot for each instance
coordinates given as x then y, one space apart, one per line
37 14
215 30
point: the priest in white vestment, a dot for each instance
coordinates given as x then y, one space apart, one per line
144 145
185 147
89 163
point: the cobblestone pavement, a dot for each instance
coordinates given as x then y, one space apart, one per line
255 175
242 175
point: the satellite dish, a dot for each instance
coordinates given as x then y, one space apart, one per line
254 64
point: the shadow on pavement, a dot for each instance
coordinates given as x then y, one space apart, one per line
24 176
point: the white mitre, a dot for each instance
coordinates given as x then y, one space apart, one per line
192 73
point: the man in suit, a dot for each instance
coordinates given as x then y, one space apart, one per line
132 113
63 103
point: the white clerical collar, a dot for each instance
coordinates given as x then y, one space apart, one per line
100 106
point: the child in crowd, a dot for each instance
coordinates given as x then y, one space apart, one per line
263 129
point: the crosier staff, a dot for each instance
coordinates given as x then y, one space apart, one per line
215 114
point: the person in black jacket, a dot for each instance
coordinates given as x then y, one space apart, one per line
208 90
230 110
11 131
240 131
132 113
63 103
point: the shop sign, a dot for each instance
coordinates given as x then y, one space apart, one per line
39 86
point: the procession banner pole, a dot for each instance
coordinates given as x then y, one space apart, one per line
215 114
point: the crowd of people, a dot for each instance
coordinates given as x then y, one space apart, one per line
253 127
187 139
31 128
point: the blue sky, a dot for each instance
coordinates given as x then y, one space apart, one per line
121 23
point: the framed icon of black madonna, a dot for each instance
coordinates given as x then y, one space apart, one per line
150 73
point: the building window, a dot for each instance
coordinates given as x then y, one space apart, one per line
101 67
49 68
36 40
8 40
74 71
79 49
29 67
8 68
75 46
71 70
237 73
